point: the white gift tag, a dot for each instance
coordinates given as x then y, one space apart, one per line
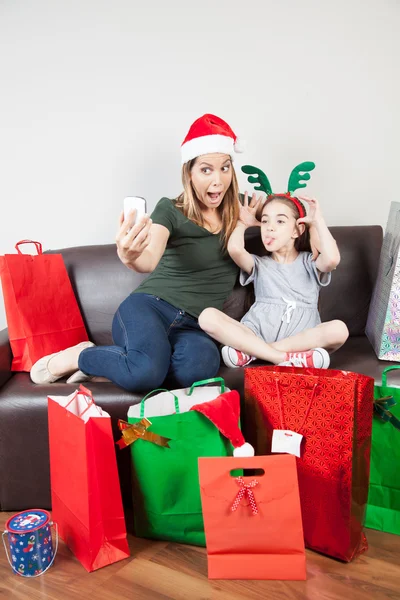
284 440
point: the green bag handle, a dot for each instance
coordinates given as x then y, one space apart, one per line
384 378
382 406
205 381
176 401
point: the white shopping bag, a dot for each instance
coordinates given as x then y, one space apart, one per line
163 403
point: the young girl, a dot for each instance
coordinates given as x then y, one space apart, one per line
283 326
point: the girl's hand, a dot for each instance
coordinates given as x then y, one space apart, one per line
132 239
313 213
249 209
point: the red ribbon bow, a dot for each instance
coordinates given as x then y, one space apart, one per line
245 491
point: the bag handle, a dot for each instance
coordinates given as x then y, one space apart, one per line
37 244
87 394
314 389
385 371
205 381
176 401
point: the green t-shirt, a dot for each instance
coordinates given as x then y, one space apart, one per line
194 272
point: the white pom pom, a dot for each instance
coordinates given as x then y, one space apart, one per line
245 450
239 146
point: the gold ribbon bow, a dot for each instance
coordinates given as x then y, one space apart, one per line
135 431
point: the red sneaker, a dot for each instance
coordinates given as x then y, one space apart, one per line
234 358
318 358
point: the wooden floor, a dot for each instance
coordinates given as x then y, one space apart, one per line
163 571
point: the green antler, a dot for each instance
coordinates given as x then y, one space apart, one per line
296 178
260 178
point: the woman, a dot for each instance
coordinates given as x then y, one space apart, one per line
183 247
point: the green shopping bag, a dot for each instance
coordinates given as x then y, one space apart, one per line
166 491
383 508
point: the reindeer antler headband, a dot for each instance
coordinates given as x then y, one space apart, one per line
298 175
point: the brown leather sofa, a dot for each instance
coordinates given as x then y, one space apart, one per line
101 282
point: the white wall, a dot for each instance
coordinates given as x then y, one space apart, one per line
97 96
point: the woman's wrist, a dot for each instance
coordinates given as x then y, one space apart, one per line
241 225
245 226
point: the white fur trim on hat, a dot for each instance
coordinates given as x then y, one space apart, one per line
207 144
245 450
239 146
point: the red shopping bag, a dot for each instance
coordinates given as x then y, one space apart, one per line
332 410
42 313
253 524
85 490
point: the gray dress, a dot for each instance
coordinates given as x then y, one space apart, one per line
286 296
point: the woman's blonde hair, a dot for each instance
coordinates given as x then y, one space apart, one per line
188 203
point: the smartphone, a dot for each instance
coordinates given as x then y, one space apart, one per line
131 202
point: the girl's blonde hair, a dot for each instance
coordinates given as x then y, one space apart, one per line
302 243
188 203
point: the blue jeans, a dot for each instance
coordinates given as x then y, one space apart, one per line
154 342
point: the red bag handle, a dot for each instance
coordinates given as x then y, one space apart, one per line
281 405
88 397
37 244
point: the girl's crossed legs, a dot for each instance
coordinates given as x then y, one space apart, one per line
329 336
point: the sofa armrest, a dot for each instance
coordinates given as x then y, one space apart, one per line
5 357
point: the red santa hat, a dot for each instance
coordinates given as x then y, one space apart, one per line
224 412
209 134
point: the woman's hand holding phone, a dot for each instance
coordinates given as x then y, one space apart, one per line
136 203
134 233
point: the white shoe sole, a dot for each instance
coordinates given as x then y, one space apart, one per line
226 358
325 358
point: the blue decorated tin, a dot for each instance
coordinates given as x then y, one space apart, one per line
30 541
